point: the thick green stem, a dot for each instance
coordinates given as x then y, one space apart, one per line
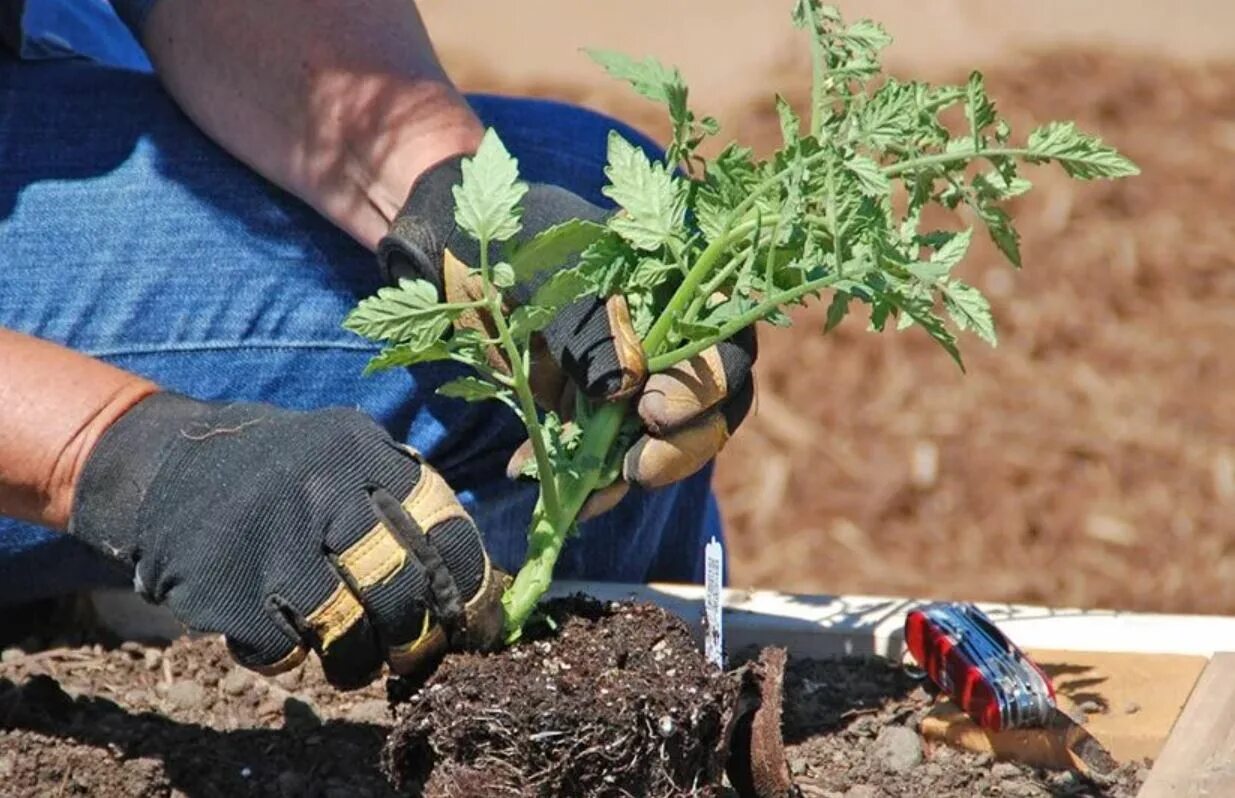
818 70
727 330
522 389
547 534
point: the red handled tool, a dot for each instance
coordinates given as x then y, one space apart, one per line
983 671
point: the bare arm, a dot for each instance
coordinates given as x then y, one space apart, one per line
54 405
343 104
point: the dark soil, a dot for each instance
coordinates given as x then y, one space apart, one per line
617 702
82 719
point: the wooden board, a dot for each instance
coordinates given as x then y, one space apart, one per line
1198 760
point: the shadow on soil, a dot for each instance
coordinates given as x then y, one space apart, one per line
303 758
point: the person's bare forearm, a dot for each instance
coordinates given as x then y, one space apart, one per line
343 104
54 405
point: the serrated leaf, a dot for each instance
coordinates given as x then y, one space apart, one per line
487 200
947 254
837 310
890 114
652 199
867 34
995 185
1081 155
922 315
472 389
552 247
648 77
408 313
790 123
562 288
403 356
871 179
970 310
606 264
979 107
503 275
650 273
999 226
529 319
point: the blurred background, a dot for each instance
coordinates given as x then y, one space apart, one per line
1090 459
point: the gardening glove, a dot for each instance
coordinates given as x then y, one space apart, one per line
688 412
289 531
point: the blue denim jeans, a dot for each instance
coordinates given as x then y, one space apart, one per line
127 235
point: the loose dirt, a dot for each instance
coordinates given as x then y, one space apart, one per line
83 719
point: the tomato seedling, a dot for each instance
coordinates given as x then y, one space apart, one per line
703 247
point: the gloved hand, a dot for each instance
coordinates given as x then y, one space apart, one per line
688 412
288 531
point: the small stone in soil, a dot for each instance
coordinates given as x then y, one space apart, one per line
236 682
1091 707
10 655
153 658
186 694
1131 708
1005 770
375 711
862 791
899 749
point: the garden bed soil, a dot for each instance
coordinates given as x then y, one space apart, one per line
80 718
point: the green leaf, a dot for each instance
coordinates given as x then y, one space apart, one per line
920 311
790 123
503 275
1081 155
552 247
947 254
995 185
405 314
528 319
649 77
970 310
867 35
649 273
403 356
472 389
837 310
871 179
979 107
487 201
890 114
562 288
652 198
999 226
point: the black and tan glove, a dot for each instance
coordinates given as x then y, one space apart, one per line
688 412
289 531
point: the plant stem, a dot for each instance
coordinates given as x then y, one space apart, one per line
727 330
818 71
548 533
523 391
964 155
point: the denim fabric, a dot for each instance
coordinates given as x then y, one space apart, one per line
41 29
126 234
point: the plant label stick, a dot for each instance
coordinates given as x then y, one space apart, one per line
713 631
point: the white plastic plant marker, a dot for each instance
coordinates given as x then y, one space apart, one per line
713 615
